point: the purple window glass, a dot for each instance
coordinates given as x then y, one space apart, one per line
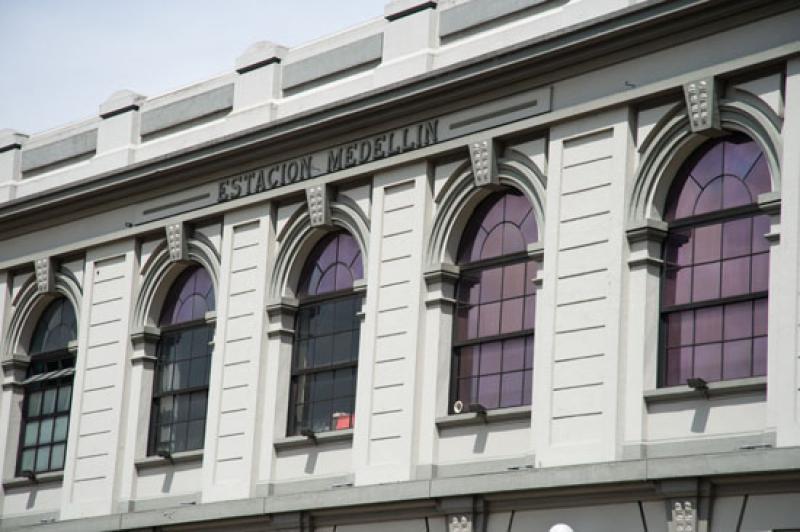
47 400
495 309
189 298
333 266
327 327
183 367
716 274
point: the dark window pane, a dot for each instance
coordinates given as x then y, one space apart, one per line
467 390
758 180
678 286
323 386
489 391
527 388
740 156
56 327
489 323
49 403
43 458
735 276
181 377
678 250
511 389
333 265
60 428
199 371
27 461
512 314
195 434
34 403
760 281
189 298
491 284
180 436
736 238
31 433
323 351
64 398
708 325
761 227
343 347
513 240
706 282
491 357
709 164
197 406
760 356
737 357
493 245
46 430
344 383
734 193
468 361
680 328
514 280
682 205
708 361
739 320
57 457
514 354
530 312
707 243
710 199
760 317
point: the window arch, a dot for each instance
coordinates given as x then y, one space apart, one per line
716 273
183 365
495 305
327 327
48 390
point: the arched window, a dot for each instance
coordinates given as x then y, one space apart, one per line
48 391
180 390
327 326
493 337
714 289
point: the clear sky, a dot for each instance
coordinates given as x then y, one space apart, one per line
59 59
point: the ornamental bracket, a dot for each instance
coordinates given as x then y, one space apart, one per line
483 156
177 242
45 275
318 198
702 104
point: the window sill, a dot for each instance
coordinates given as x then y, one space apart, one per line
42 478
492 416
331 436
715 389
184 457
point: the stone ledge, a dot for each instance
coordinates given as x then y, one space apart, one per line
184 457
492 416
715 389
322 438
42 478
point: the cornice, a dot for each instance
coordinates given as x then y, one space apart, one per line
627 31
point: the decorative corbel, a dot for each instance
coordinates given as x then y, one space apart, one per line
703 106
684 517
319 205
483 155
177 242
45 276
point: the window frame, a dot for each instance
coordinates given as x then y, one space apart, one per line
723 215
153 446
525 257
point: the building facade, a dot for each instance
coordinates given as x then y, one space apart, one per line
519 265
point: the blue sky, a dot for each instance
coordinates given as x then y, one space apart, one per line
59 59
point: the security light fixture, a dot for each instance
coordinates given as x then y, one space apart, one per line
310 434
165 454
478 409
458 407
696 383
